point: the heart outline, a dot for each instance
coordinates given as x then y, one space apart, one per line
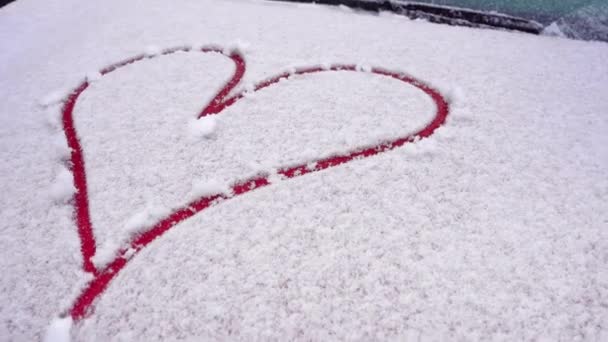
222 100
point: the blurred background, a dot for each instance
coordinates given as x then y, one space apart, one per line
576 19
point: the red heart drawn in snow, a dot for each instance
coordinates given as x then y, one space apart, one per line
102 277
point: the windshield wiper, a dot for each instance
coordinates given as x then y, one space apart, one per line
438 14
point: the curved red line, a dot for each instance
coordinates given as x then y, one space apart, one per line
81 202
221 101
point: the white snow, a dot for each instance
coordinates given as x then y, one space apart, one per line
258 167
444 133
138 222
241 47
62 189
202 127
59 330
129 253
152 50
145 218
274 177
363 67
93 76
290 69
553 30
53 117
345 8
104 254
53 97
455 96
491 229
208 188
61 148
453 93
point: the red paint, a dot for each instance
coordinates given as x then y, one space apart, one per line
221 101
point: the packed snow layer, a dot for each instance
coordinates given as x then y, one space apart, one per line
495 227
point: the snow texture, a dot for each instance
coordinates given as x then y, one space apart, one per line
145 218
53 97
59 330
93 76
62 188
208 188
53 118
241 47
494 228
152 50
364 67
61 148
248 134
105 253
203 127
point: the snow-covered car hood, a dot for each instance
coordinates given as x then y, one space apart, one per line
492 226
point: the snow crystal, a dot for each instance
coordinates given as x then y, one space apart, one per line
412 335
291 69
105 254
427 146
455 96
363 67
239 47
553 30
53 97
203 127
145 218
139 221
391 15
152 50
460 115
191 45
53 117
59 330
444 132
93 76
275 177
311 166
60 145
420 147
249 90
62 189
311 5
129 253
325 65
79 283
345 8
208 188
309 153
259 168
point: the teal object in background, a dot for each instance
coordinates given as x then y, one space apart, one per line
544 11
577 19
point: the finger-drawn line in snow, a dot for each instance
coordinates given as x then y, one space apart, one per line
102 277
